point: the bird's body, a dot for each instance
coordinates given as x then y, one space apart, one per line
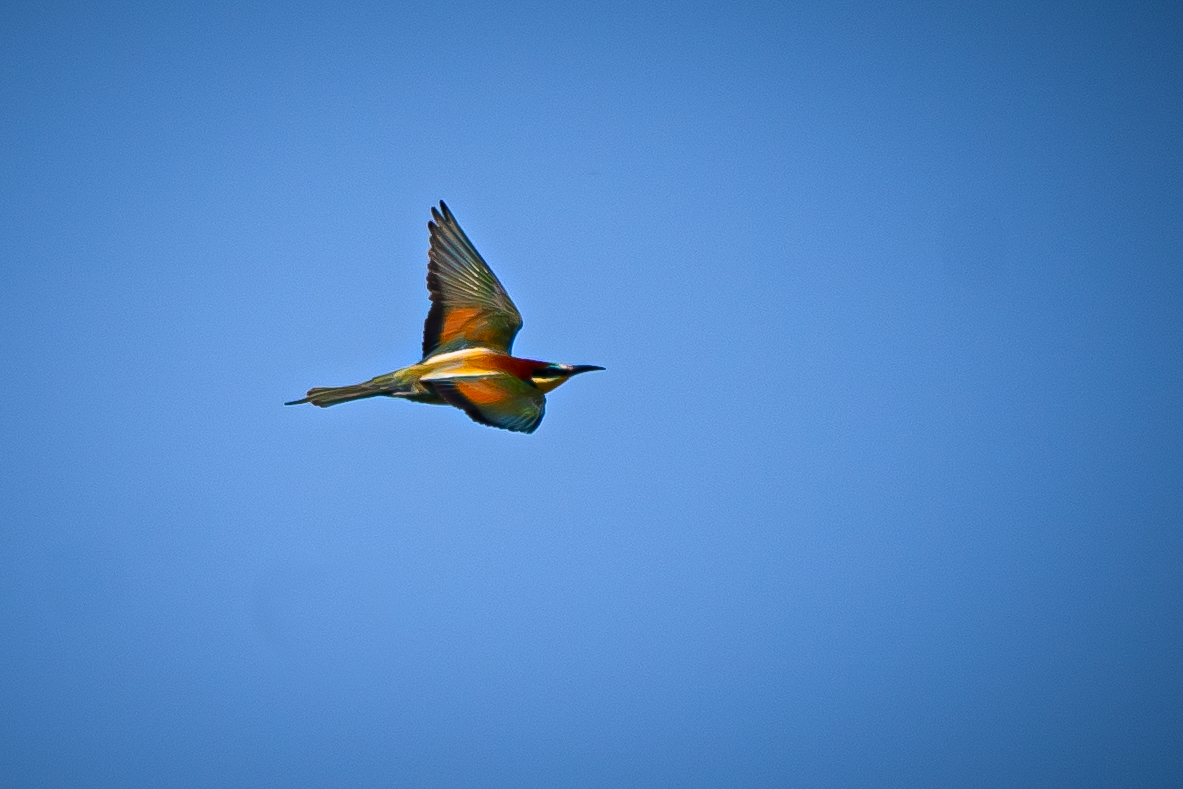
467 340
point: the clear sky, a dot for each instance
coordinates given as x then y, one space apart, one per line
883 484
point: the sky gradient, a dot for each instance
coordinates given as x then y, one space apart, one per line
883 484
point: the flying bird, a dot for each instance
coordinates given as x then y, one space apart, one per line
467 340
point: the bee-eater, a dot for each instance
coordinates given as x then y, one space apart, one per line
466 345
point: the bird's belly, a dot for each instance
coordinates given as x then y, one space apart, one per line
428 396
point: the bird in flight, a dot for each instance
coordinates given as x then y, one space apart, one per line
466 345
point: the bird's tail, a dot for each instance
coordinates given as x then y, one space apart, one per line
325 396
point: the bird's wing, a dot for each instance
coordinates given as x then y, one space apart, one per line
469 306
499 400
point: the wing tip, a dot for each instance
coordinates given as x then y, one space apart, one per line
442 223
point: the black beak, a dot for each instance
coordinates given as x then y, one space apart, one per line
576 369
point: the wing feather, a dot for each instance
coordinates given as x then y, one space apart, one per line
499 400
469 305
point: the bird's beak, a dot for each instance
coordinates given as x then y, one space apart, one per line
576 369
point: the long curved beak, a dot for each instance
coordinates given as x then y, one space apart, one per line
576 369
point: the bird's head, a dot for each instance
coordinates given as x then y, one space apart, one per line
548 376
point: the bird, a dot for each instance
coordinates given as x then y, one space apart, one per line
467 342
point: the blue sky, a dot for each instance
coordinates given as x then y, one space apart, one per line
883 484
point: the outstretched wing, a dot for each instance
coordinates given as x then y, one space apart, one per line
499 400
469 306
